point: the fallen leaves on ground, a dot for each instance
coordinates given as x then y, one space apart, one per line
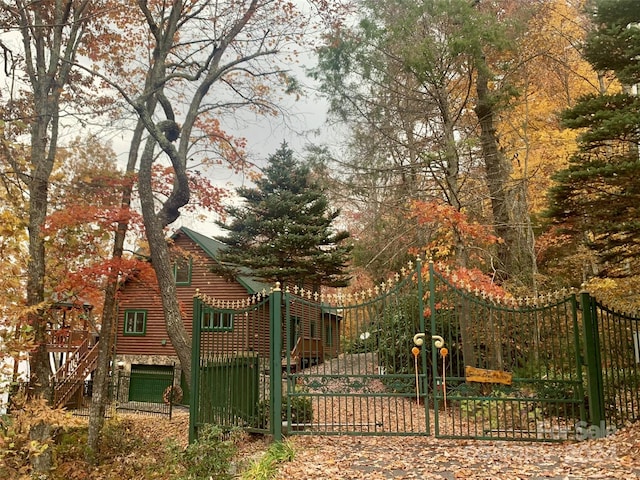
346 457
147 457
398 457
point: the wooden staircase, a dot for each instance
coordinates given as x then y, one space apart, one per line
306 352
81 360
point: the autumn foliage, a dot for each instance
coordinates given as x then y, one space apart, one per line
447 227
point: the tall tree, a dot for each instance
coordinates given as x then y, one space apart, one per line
51 34
389 79
208 61
190 55
192 45
283 232
595 199
424 83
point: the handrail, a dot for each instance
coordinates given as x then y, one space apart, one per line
69 384
73 356
65 337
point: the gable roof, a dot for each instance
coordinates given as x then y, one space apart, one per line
212 247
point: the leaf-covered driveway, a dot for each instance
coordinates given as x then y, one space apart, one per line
615 457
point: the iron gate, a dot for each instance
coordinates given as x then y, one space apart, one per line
420 354
231 369
349 365
512 369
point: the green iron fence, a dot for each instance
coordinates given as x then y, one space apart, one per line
616 384
146 391
300 363
528 382
231 375
348 362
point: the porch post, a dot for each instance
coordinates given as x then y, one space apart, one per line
593 359
275 369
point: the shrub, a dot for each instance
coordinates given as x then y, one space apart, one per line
267 466
301 410
397 325
17 449
208 457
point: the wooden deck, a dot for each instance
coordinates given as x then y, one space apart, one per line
306 352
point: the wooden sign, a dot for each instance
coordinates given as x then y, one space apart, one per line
481 375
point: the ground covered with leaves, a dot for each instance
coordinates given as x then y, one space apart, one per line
614 457
146 447
133 446
157 451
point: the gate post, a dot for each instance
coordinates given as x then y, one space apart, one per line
275 367
424 387
194 403
594 361
434 353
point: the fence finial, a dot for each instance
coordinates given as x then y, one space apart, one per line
277 287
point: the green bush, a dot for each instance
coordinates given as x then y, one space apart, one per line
397 325
365 342
210 456
267 467
301 411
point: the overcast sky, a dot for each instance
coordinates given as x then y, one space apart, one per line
302 123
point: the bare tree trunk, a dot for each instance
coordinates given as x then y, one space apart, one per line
154 224
40 371
162 133
452 190
498 172
50 40
38 201
100 397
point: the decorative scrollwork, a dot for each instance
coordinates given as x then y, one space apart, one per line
338 384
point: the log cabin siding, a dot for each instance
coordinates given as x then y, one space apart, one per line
250 333
136 295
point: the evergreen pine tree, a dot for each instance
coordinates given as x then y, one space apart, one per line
283 230
596 198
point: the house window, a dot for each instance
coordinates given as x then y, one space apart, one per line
313 329
328 334
182 271
216 321
135 322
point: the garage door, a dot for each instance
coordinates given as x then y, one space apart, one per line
148 382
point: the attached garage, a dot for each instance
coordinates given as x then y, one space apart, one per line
149 382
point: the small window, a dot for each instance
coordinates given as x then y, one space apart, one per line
313 329
135 322
182 271
216 321
328 334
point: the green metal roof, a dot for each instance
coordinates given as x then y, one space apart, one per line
212 247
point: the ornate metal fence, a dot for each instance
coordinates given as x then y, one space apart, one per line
355 373
418 355
512 370
232 377
149 393
615 348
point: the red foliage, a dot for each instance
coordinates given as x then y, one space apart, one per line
472 280
448 227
